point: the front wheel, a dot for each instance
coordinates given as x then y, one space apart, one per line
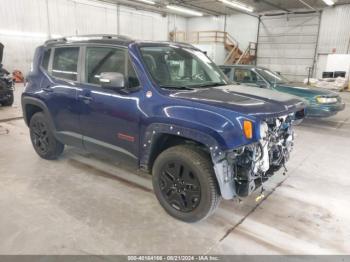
184 183
43 140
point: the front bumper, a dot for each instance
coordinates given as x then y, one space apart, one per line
6 94
319 110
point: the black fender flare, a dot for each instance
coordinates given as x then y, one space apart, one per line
223 172
39 103
153 131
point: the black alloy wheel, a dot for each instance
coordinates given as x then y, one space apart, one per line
40 137
43 140
180 186
185 184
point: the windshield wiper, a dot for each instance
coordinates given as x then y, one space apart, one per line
209 85
176 87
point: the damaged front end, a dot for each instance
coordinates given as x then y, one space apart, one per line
246 168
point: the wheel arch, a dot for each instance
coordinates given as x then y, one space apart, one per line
31 105
159 137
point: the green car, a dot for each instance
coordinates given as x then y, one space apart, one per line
321 102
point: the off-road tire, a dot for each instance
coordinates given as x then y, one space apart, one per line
201 166
43 140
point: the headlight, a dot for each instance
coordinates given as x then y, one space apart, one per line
248 129
264 129
326 100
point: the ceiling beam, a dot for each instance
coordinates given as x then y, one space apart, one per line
273 5
307 5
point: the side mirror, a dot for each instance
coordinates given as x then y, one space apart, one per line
112 80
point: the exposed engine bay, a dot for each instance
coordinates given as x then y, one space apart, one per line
248 167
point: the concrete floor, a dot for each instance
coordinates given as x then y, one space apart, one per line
77 206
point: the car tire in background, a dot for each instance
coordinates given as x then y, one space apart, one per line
9 101
185 184
43 140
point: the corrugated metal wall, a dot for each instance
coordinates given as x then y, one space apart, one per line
287 44
334 35
335 30
27 24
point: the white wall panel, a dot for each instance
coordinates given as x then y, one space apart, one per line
92 19
143 25
335 30
287 44
177 23
62 19
206 23
22 28
243 28
215 51
334 35
27 24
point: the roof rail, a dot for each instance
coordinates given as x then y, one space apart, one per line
55 40
87 37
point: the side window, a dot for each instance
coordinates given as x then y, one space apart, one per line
101 60
245 76
65 63
227 71
133 81
46 59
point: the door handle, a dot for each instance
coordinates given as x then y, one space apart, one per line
86 99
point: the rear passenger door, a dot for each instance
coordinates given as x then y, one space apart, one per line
59 90
109 119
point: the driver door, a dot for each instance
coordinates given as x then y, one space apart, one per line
109 119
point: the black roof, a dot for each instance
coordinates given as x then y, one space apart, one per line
108 39
101 39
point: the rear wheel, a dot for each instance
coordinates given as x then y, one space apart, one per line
185 184
43 140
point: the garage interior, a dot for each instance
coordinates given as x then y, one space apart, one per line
84 204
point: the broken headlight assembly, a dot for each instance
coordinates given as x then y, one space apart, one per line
253 164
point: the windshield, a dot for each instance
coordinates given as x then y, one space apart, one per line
272 77
178 67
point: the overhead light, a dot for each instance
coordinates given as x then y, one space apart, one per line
184 10
241 6
147 2
329 2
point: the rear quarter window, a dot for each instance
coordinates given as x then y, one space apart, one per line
46 59
65 63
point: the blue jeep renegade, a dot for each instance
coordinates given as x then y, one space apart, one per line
166 105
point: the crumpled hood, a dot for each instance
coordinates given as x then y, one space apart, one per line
257 102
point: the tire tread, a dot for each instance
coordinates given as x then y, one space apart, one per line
202 160
57 147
